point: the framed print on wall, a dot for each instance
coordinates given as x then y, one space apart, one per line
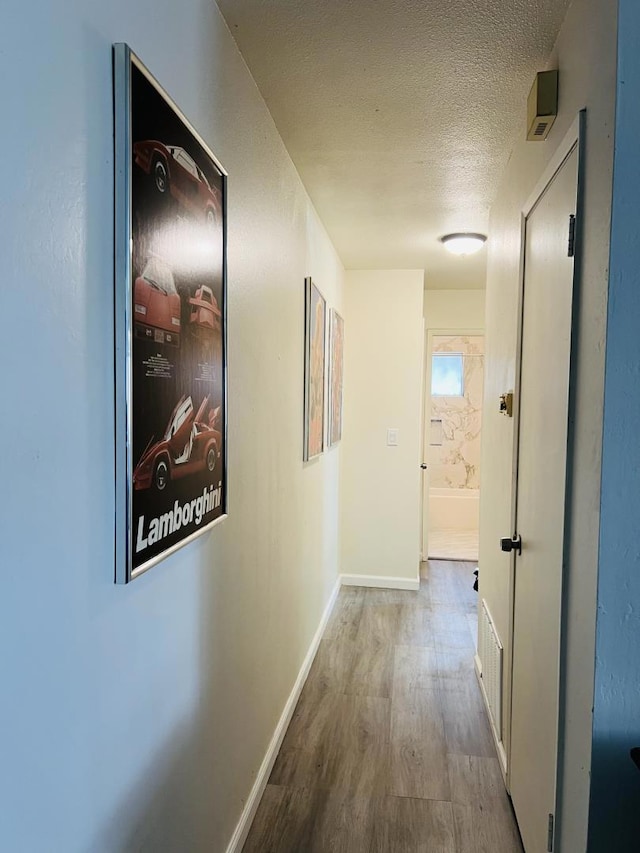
170 325
314 370
336 373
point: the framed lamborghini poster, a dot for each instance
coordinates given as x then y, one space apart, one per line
170 312
314 370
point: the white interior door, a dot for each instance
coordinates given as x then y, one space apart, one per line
426 439
540 504
424 550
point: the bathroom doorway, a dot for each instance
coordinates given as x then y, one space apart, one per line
453 420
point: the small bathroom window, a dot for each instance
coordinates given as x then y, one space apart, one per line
447 375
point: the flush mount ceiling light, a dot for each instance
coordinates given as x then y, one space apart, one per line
463 244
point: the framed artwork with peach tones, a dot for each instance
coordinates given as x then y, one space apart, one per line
314 370
336 372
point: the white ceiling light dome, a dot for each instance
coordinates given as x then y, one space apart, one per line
463 244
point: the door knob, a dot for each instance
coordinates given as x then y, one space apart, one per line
511 543
424 466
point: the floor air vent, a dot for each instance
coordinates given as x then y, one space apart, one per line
490 652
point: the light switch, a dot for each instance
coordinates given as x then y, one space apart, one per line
392 437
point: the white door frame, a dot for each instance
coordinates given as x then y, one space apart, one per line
573 139
426 420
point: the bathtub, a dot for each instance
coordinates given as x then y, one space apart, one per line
454 509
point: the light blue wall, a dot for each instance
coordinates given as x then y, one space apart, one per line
99 685
615 784
136 718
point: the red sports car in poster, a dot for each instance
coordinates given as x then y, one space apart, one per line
174 171
191 444
156 304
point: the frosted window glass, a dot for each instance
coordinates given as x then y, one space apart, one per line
446 375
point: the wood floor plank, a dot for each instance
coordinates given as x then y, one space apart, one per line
380 624
462 576
451 583
375 596
279 825
416 626
371 671
455 662
405 825
331 668
345 619
357 760
352 668
442 585
349 749
418 766
466 726
451 628
483 815
472 622
310 820
415 668
483 829
312 722
341 824
475 779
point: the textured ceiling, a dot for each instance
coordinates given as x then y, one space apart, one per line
400 115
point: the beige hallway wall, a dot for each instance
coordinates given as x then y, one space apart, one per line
380 485
454 309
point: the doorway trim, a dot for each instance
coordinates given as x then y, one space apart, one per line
574 139
432 333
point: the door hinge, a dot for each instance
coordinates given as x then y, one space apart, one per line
571 248
550 835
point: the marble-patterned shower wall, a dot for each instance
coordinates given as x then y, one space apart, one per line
455 462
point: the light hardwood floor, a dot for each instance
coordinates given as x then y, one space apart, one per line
389 749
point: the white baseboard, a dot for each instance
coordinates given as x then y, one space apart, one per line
502 754
380 582
248 813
